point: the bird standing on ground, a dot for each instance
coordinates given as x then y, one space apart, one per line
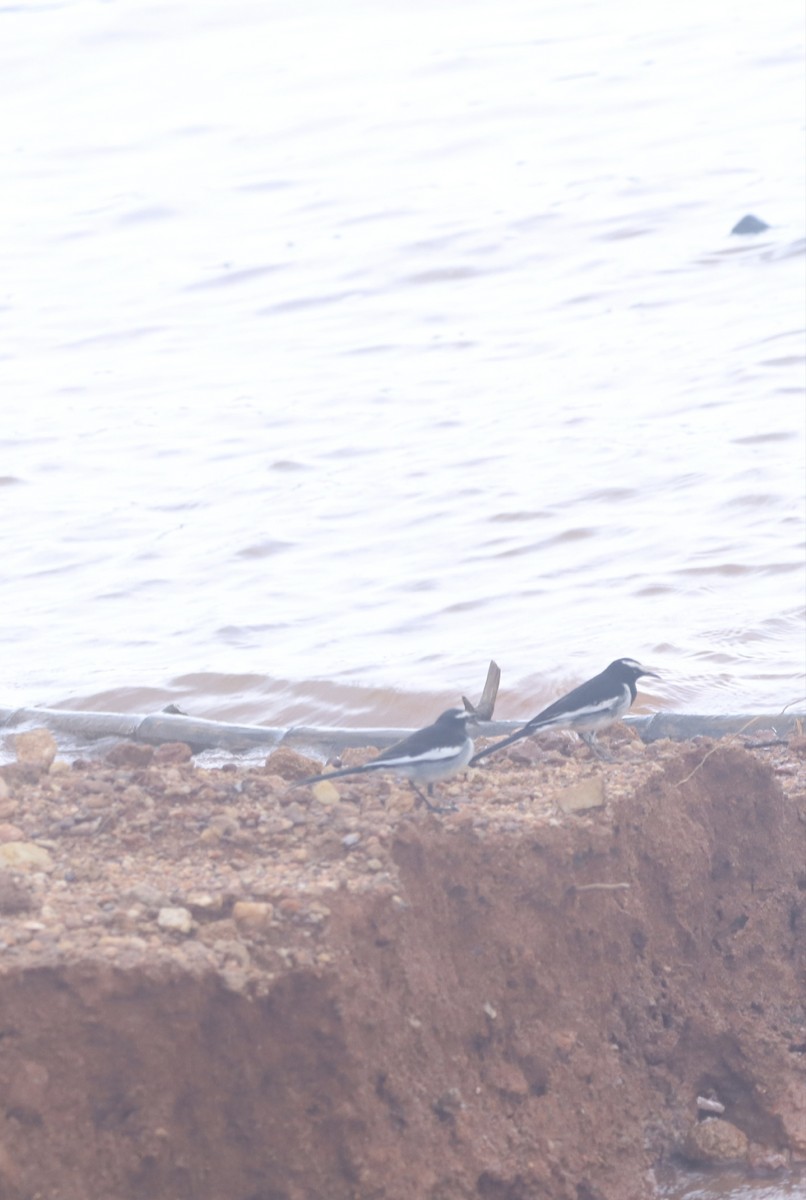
588 708
435 752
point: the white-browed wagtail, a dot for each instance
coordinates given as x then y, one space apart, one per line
435 752
586 709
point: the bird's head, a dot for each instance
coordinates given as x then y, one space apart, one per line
453 717
630 670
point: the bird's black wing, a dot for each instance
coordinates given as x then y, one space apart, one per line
424 745
595 696
589 698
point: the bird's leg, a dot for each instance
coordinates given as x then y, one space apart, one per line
589 738
421 797
437 808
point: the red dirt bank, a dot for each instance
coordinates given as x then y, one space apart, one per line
364 1002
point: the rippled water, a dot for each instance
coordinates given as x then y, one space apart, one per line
728 1184
344 351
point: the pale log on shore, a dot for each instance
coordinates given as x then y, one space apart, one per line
157 728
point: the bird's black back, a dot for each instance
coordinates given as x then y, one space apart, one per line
450 727
594 691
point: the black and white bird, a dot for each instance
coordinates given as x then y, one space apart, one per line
435 752
586 709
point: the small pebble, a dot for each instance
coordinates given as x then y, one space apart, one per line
325 793
15 896
11 833
130 754
36 747
252 915
173 752
707 1104
175 920
715 1142
25 856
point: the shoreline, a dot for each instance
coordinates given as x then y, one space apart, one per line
213 983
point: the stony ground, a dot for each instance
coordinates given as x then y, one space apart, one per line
217 985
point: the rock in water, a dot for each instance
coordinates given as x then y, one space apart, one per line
750 224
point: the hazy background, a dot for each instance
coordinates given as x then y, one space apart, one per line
345 347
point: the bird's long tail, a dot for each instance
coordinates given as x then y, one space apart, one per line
335 774
496 746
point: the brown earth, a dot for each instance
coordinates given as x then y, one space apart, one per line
216 988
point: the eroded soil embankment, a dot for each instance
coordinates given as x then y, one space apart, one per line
480 1010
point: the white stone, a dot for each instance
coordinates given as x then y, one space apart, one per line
175 920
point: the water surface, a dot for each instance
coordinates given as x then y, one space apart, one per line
347 348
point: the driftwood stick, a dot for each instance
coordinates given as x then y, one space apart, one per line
486 705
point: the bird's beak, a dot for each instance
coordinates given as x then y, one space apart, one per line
646 671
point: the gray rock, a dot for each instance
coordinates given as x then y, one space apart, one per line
750 224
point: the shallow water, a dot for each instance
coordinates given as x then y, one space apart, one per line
343 352
732 1185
